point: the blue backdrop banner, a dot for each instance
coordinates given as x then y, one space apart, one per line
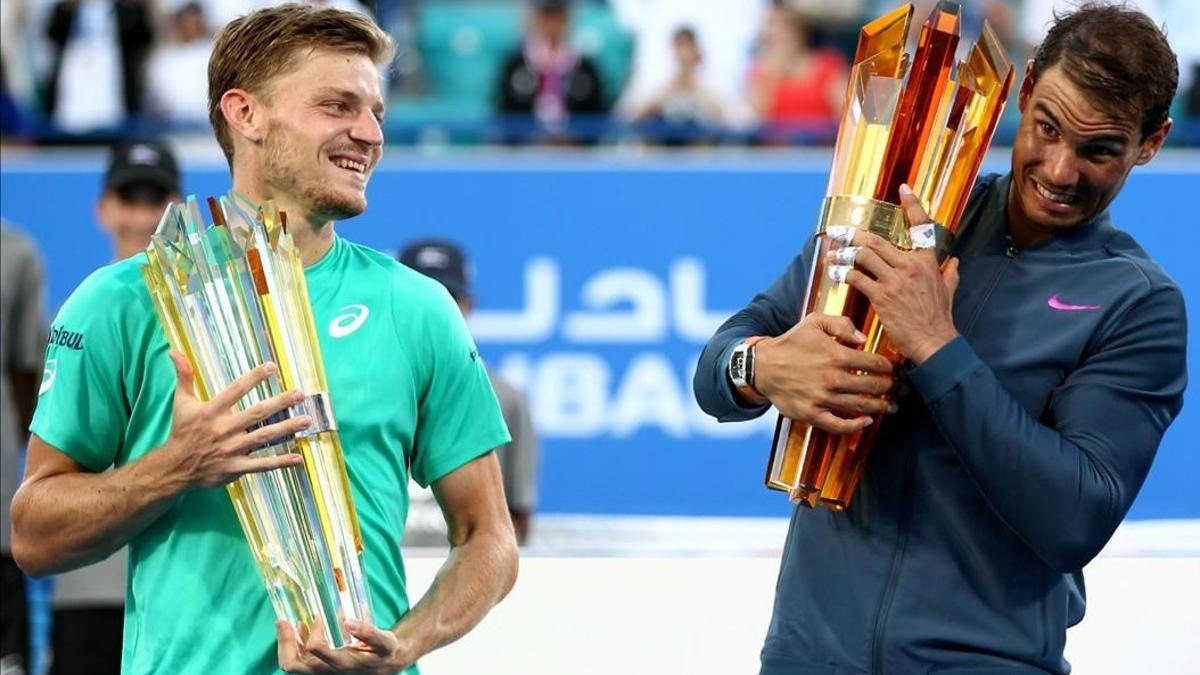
597 282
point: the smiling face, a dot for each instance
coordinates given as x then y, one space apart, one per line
322 135
130 217
1070 157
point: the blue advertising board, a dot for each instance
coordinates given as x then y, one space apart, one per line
598 280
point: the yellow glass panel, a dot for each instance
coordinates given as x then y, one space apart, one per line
229 297
883 39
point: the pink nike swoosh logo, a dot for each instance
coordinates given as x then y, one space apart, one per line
1055 303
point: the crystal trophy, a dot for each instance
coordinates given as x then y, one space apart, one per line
231 297
924 121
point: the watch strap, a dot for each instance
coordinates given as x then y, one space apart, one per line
745 384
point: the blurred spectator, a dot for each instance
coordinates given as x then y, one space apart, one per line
13 53
408 75
12 125
545 76
177 77
727 30
89 603
26 51
793 86
100 49
684 107
142 179
22 345
445 262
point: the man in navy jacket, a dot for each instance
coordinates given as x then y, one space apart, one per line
1045 361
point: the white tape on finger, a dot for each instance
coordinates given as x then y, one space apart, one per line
840 234
846 255
923 236
838 273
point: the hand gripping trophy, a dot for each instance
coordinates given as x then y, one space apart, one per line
231 297
922 121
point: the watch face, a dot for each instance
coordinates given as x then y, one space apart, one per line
737 364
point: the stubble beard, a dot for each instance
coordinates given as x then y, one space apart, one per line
288 173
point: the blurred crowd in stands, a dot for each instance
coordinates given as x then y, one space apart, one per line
670 72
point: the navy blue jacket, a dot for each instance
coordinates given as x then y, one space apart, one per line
1015 454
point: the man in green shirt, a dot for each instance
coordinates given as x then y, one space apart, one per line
294 98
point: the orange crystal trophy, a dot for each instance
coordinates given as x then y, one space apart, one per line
922 121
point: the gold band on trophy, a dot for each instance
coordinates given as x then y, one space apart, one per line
866 214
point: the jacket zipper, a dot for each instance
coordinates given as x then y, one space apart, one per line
889 593
1010 252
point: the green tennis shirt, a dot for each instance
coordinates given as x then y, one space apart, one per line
410 394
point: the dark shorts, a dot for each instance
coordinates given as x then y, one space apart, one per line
86 641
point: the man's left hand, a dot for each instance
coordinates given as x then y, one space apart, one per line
911 295
377 651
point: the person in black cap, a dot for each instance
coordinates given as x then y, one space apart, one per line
444 261
89 603
142 179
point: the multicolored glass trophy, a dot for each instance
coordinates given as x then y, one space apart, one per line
922 121
231 297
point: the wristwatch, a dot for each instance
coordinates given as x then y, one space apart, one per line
741 369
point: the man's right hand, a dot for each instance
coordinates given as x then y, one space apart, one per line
209 439
807 374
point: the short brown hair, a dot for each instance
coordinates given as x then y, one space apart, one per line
1117 56
252 50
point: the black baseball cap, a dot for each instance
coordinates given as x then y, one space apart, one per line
442 260
142 171
552 5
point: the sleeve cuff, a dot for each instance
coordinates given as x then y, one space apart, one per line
453 461
68 446
943 371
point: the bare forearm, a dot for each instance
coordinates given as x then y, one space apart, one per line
67 520
476 576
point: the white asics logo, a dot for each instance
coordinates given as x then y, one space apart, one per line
48 375
348 321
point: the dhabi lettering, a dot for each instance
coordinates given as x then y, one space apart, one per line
65 338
